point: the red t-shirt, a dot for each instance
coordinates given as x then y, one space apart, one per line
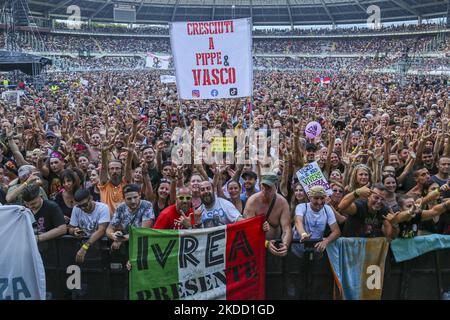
166 219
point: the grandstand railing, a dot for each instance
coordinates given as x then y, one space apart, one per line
330 36
104 274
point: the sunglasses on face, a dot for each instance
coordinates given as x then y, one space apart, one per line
184 198
338 191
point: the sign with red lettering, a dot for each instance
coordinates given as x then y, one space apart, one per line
213 59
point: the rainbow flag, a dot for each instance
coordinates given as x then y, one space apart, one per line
358 267
226 262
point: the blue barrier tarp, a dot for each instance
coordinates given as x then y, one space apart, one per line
406 249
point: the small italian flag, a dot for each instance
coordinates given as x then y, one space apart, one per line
322 80
226 262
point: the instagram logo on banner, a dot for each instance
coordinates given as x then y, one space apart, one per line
374 20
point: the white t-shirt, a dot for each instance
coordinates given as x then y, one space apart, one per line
314 222
89 222
223 212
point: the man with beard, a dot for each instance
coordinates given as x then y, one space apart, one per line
83 165
118 145
422 179
167 149
216 211
148 154
367 213
52 173
276 209
442 176
179 215
111 186
249 178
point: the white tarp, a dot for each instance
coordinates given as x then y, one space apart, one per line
155 61
22 274
167 79
213 59
12 97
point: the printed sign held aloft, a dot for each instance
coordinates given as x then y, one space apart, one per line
213 59
223 144
310 176
154 61
313 129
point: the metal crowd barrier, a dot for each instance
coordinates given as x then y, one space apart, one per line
308 277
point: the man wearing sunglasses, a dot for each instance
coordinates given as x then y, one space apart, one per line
178 215
367 212
89 219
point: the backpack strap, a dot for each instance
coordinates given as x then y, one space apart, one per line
271 207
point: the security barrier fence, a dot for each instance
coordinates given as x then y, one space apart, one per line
103 275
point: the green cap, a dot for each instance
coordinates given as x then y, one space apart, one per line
269 179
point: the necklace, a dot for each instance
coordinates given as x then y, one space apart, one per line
116 194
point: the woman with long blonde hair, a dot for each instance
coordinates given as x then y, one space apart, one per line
361 176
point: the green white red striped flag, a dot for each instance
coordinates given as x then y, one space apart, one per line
226 262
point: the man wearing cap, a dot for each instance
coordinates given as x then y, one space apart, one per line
276 209
312 219
27 175
311 150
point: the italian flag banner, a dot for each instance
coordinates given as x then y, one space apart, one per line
226 262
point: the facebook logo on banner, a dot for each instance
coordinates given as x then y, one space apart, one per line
214 92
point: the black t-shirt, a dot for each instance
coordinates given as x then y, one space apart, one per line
48 217
155 176
408 229
440 182
60 201
2 196
363 224
444 223
95 195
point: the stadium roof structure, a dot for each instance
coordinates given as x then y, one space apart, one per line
263 12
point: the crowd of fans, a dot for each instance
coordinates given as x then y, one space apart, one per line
64 63
96 154
143 29
108 44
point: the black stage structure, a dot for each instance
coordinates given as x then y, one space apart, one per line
32 65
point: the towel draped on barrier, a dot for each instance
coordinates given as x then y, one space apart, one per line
407 249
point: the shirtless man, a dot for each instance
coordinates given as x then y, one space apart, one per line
279 217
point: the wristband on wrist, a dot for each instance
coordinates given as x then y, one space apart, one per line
356 194
85 246
437 192
267 244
